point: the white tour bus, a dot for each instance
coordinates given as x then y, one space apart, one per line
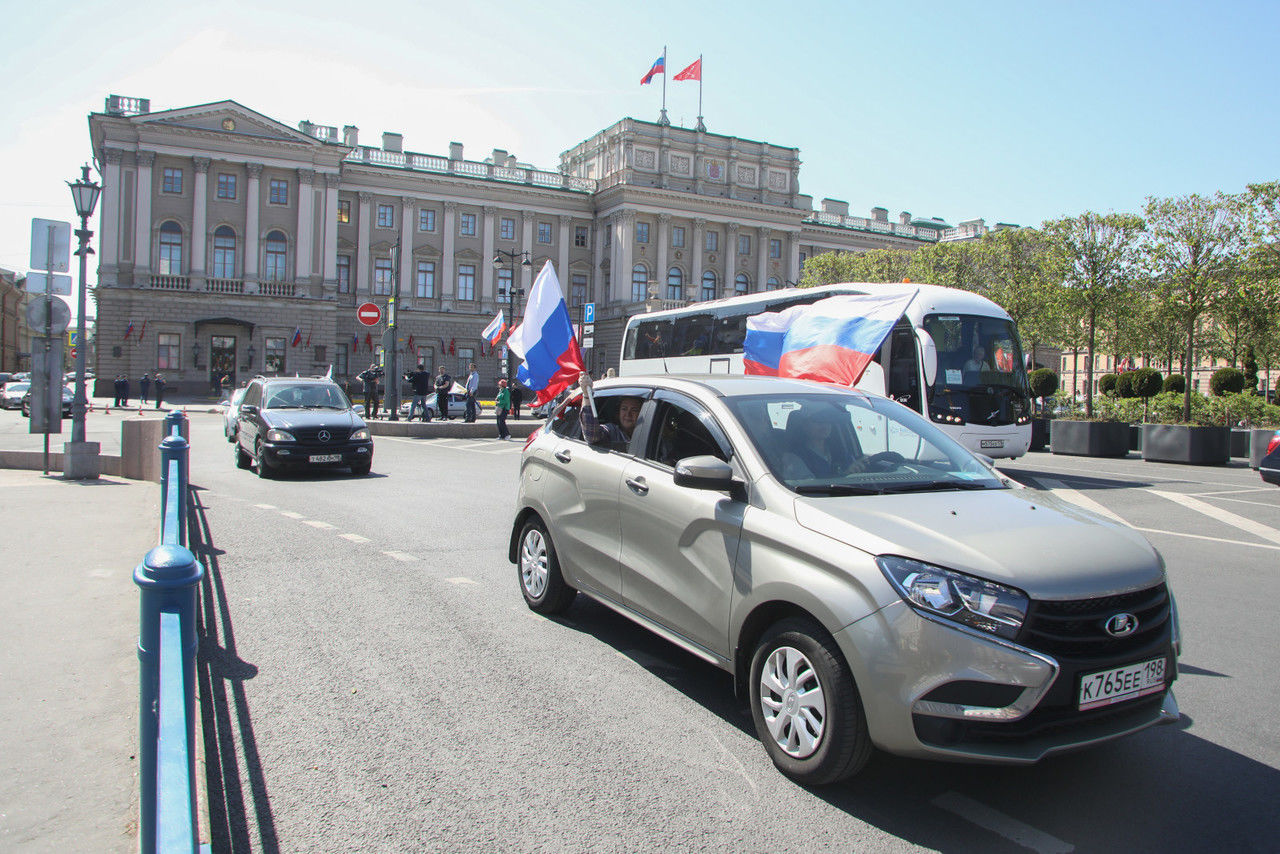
929 362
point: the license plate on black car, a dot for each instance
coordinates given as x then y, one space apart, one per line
326 458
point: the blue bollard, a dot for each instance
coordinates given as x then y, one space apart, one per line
167 578
174 448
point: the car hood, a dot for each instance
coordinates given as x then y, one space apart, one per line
286 419
1023 538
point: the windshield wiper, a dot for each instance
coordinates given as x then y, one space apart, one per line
838 489
935 486
321 406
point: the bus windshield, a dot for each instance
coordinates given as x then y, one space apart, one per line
981 375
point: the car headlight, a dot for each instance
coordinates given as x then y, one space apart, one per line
360 435
964 599
280 436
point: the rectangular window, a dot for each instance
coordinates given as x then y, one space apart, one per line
642 232
382 276
344 274
167 350
426 285
273 360
339 361
712 241
744 244
227 187
344 210
467 281
465 357
802 257
172 181
427 220
677 237
279 193
581 234
608 237
775 248
544 232
505 278
577 290
507 228
467 225
386 216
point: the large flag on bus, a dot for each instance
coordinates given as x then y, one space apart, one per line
545 340
832 340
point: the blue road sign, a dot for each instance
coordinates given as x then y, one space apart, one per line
589 313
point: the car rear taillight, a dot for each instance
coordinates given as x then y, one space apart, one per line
1274 443
529 441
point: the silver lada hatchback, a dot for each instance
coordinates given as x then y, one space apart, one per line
866 580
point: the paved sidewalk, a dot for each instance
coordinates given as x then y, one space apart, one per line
68 660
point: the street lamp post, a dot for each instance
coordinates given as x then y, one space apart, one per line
391 351
85 195
511 293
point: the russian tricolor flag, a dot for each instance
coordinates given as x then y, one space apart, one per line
833 340
297 336
493 332
659 67
545 340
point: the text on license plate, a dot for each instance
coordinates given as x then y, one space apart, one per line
991 443
1122 683
326 458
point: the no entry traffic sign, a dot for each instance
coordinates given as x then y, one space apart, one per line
369 314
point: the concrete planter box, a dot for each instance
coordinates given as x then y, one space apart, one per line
1040 433
1135 437
1090 438
1258 439
1185 443
1240 442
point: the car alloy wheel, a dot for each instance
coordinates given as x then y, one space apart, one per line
533 563
792 702
260 457
541 583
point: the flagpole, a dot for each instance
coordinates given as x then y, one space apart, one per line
700 126
662 119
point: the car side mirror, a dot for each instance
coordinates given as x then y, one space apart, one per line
704 472
248 408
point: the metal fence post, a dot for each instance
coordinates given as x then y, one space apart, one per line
167 579
174 447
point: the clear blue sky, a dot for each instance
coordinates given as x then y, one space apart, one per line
1014 112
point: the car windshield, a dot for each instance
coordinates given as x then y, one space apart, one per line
305 396
16 388
846 443
237 396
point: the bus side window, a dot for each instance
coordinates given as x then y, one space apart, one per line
904 372
730 333
692 335
649 340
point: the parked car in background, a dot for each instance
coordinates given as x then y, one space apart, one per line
457 407
866 580
68 396
1269 467
11 397
299 422
231 411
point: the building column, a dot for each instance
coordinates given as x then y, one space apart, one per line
109 242
526 245
695 259
331 183
664 250
448 276
363 272
408 217
562 262
306 224
599 293
142 217
488 289
626 253
793 256
730 260
763 251
199 216
252 204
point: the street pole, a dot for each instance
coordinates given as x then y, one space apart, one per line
393 362
80 405
81 458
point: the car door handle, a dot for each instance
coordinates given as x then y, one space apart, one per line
638 485
563 455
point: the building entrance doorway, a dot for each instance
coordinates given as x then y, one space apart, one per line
222 359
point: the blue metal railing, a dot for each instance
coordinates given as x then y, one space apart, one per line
168 578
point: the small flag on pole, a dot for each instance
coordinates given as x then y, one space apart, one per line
297 336
659 67
693 72
355 342
368 341
493 332
128 330
142 332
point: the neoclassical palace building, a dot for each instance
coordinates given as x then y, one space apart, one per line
232 243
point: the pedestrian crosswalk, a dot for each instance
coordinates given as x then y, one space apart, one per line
493 446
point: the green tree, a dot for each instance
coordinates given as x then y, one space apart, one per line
1044 383
876 265
1147 383
1097 252
1022 274
1107 384
1226 381
1194 250
1175 383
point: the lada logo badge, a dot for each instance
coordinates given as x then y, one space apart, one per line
323 436
1122 625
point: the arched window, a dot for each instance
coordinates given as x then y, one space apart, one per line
741 285
224 253
277 253
675 283
170 249
639 283
708 285
774 284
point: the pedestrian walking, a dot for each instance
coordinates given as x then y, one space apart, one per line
501 407
144 386
443 383
159 390
517 395
369 378
124 389
473 388
420 380
118 385
225 386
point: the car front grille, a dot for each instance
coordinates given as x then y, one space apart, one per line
1077 629
311 435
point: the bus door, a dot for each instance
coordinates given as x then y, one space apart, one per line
903 371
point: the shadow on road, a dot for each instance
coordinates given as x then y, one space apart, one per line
228 725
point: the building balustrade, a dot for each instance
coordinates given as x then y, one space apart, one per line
277 289
472 169
859 223
171 283
224 286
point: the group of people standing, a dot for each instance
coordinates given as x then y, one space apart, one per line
424 384
145 383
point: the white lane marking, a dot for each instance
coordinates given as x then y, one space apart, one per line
405 556
1110 474
1066 493
997 822
1256 528
291 515
1210 539
474 446
1241 501
355 538
1234 491
265 506
460 580
316 523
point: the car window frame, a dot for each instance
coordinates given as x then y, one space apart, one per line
693 406
645 393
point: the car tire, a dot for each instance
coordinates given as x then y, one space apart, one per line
816 743
243 460
259 456
361 469
538 570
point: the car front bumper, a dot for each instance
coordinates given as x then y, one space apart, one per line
291 454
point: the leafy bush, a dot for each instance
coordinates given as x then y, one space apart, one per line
1176 383
1107 384
1124 385
1226 381
1044 382
1109 408
1244 409
1147 382
1166 408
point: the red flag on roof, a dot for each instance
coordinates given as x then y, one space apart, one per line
693 72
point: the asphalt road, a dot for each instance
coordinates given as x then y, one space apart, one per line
374 682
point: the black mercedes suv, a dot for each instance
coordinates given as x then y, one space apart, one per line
300 422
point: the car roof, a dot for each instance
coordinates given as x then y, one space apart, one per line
726 385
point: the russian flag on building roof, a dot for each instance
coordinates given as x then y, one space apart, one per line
659 67
545 340
833 340
494 330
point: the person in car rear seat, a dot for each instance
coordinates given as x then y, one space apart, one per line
618 435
